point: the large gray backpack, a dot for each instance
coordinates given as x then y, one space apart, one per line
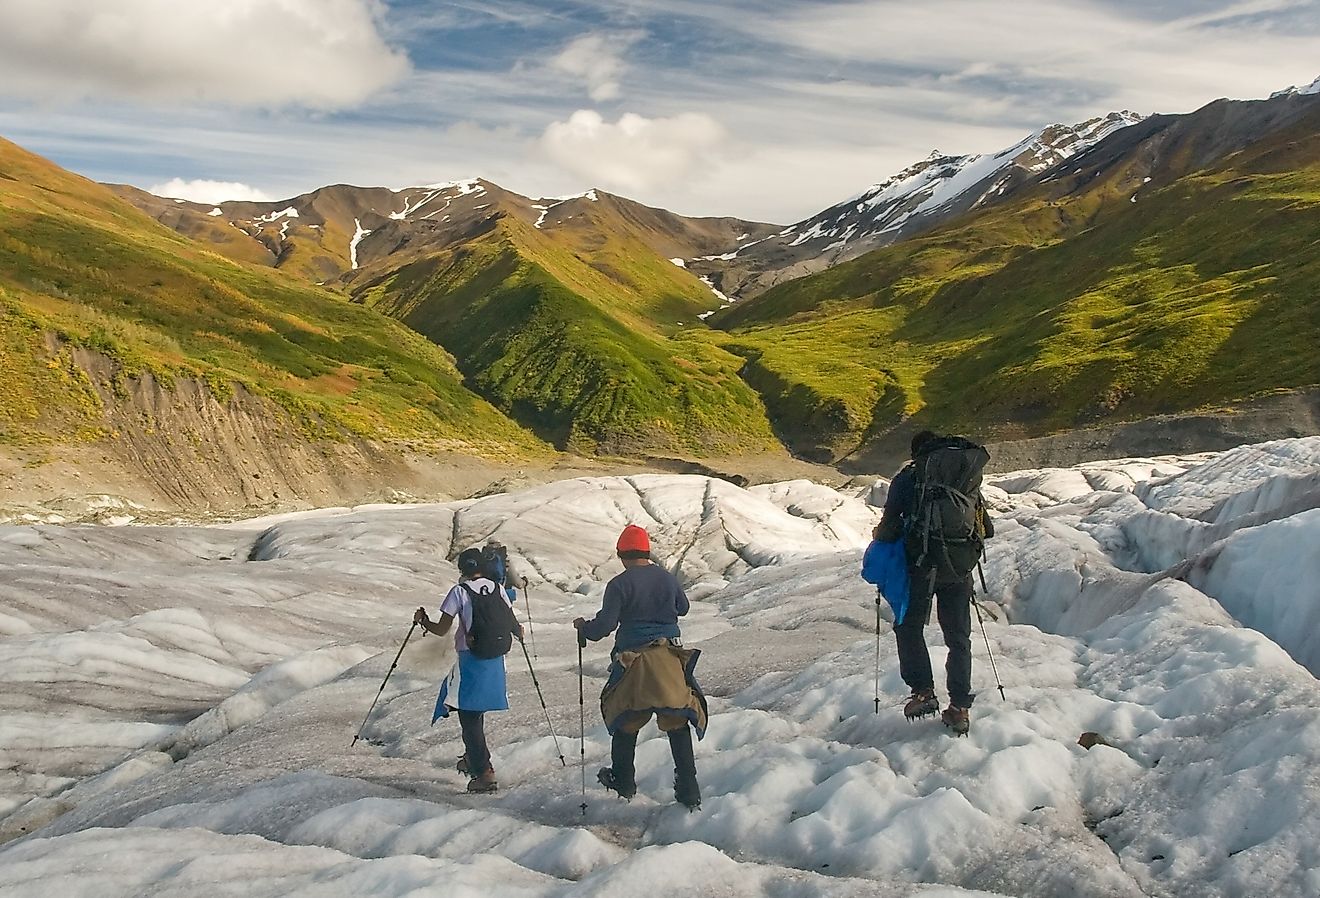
945 533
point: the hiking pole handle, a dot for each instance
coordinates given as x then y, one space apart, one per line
527 604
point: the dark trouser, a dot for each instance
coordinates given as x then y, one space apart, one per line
474 741
954 609
623 751
686 789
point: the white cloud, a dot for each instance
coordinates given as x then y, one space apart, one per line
634 153
1152 65
598 60
814 101
267 53
208 191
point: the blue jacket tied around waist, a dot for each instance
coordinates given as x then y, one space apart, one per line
885 566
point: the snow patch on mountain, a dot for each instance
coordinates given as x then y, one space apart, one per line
287 212
544 208
463 186
358 234
705 279
423 196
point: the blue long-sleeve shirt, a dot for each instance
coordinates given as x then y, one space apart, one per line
644 603
898 505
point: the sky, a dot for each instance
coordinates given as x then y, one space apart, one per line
768 110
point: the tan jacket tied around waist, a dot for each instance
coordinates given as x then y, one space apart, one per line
656 678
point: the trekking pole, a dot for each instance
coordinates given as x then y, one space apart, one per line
981 620
877 651
544 709
582 728
383 682
531 631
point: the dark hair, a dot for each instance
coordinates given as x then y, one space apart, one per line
469 561
920 439
634 554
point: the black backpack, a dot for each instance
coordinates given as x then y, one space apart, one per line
493 623
946 533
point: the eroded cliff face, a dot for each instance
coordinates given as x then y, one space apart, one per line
179 446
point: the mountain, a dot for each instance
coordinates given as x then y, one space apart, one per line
1061 278
329 233
127 345
917 199
570 314
1170 266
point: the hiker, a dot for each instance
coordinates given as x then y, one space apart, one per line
486 627
935 506
650 671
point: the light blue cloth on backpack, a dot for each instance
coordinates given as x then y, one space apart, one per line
885 566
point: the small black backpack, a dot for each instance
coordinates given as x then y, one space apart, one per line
493 623
945 532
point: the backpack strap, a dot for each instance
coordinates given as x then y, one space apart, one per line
472 593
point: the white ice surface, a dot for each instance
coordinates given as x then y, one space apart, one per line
179 703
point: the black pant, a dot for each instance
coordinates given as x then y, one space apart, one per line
474 741
954 609
623 751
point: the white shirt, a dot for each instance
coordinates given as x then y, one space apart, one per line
458 603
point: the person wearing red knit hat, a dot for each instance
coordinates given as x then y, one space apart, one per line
651 673
635 541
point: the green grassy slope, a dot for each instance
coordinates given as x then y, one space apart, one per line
1072 306
584 348
81 267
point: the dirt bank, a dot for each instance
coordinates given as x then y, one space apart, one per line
1275 416
181 450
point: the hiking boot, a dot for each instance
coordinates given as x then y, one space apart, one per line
922 703
957 719
607 779
462 765
687 791
484 783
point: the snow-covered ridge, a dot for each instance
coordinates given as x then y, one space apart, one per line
1312 88
416 199
939 180
937 184
172 696
544 208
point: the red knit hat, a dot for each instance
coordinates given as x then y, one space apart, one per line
633 539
